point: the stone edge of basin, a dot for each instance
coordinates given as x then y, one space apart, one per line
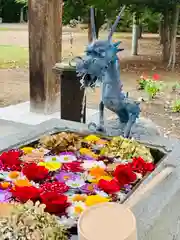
149 208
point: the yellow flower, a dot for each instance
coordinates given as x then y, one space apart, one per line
88 152
51 166
27 150
95 199
107 178
22 183
91 138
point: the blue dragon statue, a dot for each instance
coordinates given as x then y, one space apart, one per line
101 64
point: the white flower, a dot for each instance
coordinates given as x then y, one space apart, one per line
67 222
102 193
77 183
121 196
76 209
7 176
139 176
64 158
92 164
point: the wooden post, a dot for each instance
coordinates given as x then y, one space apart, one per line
45 39
72 95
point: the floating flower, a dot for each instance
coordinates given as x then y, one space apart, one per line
27 150
140 166
97 172
78 198
109 187
76 209
75 183
88 152
72 167
11 160
86 158
91 138
127 188
102 193
124 174
101 142
57 187
67 157
55 203
22 183
95 199
13 175
5 196
89 188
93 164
107 178
65 176
5 185
25 193
34 172
51 166
67 222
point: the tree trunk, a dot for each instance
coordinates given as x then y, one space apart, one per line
140 31
135 36
22 15
166 36
89 29
45 42
161 35
175 17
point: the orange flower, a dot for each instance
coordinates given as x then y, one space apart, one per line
97 172
79 198
101 142
13 174
5 185
22 183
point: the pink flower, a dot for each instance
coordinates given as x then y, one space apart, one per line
156 77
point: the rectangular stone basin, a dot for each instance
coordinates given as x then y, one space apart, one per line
150 196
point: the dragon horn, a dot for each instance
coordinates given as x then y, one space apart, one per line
93 27
113 28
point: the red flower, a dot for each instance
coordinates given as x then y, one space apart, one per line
109 187
140 166
34 172
156 77
72 167
23 194
56 187
55 203
124 174
10 160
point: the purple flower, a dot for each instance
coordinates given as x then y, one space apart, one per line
89 188
65 176
5 196
87 158
127 188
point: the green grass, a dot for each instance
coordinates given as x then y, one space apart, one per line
2 29
13 57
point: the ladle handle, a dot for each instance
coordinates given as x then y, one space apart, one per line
142 190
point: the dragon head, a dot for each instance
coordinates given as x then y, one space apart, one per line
99 55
